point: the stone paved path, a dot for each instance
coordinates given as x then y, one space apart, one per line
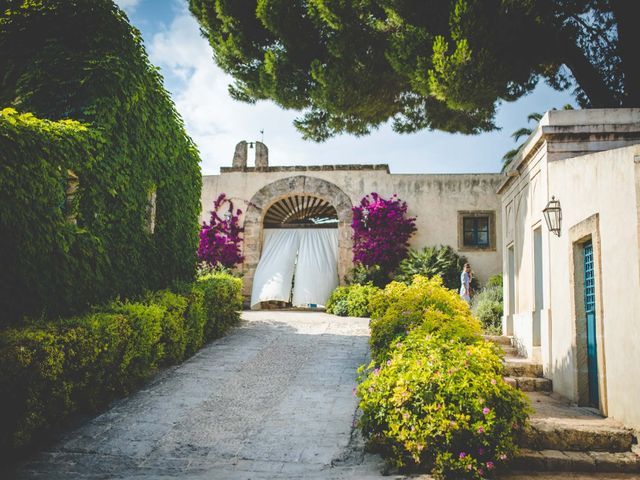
272 399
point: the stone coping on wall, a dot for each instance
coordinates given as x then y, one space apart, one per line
306 168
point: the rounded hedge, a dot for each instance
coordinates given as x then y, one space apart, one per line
442 405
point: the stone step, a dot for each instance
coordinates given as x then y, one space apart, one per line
499 339
509 351
545 435
567 461
521 367
530 384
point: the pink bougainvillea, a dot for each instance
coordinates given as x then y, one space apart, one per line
381 232
220 239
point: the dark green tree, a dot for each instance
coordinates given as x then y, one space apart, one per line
350 66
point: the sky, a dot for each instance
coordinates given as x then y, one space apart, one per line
217 123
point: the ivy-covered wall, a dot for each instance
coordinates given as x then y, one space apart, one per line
81 60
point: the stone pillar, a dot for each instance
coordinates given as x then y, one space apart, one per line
262 155
240 155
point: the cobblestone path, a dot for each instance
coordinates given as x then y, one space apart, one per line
273 399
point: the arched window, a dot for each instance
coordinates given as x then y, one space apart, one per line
300 211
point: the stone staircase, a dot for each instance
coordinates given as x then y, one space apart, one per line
562 436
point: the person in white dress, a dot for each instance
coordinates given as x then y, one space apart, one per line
465 283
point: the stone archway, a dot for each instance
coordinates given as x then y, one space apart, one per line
272 193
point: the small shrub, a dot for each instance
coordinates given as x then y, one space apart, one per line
488 308
442 261
363 275
399 308
174 332
352 300
495 281
222 294
441 405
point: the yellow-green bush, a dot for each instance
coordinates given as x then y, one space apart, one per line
50 370
352 300
425 303
442 405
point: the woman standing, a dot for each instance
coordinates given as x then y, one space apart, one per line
465 283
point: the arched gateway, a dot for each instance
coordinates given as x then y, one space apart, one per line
296 228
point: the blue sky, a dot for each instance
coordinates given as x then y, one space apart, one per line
216 122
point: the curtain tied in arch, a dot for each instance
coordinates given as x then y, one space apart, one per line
310 256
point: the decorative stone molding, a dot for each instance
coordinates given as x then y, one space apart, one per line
273 192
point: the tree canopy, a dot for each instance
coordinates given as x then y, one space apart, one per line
351 65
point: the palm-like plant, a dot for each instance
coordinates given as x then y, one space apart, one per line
431 261
524 132
517 135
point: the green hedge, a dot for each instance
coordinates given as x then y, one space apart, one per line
351 300
50 370
434 397
82 60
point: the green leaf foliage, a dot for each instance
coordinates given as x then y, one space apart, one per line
433 398
488 306
98 108
424 303
352 66
442 261
352 300
441 405
50 370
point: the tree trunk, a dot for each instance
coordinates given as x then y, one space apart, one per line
589 79
626 14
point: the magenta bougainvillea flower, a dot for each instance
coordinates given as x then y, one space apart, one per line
220 240
381 231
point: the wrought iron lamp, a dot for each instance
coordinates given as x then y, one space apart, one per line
227 217
553 215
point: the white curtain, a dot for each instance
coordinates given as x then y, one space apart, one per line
273 277
311 253
317 267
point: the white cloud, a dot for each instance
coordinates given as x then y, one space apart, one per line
216 122
127 5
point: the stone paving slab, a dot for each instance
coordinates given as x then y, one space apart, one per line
273 399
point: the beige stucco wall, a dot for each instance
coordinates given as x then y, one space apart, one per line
603 185
434 199
585 159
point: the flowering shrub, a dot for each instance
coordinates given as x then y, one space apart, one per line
426 303
351 301
220 239
442 405
381 232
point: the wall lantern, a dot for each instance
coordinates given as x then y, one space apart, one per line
227 217
553 215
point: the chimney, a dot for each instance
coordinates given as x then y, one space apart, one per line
262 155
240 155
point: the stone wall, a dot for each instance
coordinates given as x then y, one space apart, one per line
435 200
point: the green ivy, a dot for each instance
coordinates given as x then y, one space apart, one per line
96 107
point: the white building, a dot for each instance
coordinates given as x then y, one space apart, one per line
572 299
